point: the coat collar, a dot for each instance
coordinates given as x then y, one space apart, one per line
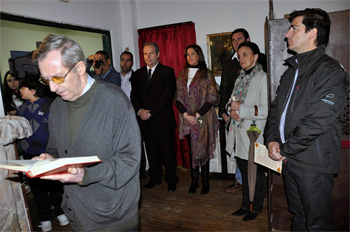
307 57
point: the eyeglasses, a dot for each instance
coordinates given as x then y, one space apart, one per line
56 79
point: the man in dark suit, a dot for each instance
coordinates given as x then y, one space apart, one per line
152 94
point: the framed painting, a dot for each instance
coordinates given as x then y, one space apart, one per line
219 50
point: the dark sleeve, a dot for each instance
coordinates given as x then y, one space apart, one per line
271 133
224 86
263 61
229 75
180 107
119 79
88 66
134 95
113 78
205 108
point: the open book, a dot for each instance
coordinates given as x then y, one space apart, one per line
38 168
262 157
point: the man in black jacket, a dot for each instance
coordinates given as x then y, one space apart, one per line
305 121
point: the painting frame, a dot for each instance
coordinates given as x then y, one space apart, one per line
219 48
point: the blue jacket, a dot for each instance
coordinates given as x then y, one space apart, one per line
112 76
37 114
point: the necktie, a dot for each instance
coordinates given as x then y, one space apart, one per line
149 74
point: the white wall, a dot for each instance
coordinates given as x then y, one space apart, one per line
223 15
124 17
94 14
12 34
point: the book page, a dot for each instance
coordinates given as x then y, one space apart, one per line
60 165
18 165
262 157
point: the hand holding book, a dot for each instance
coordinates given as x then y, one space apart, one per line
46 167
74 174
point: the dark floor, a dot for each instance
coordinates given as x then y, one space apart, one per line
180 211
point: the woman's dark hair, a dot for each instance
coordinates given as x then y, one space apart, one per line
32 82
201 61
7 93
315 18
7 89
255 49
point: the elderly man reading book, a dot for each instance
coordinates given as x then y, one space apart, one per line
91 118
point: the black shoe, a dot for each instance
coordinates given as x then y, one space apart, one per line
193 188
171 188
151 184
250 216
205 189
205 179
239 212
194 180
233 187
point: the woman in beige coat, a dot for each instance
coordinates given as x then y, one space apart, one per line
249 105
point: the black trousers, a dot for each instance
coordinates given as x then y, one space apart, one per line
309 196
260 186
160 150
46 193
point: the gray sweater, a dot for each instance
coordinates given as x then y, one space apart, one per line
110 191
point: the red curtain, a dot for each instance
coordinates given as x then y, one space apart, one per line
172 41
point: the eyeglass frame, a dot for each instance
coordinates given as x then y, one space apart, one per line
43 80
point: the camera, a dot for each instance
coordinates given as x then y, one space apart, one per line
98 63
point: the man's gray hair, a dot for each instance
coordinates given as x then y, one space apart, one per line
71 51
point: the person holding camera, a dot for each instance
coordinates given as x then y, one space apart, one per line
103 70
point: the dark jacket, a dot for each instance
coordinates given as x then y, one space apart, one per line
230 72
157 95
313 124
112 76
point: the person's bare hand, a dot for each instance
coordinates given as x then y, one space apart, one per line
235 105
274 151
95 57
42 156
145 114
234 115
225 117
191 119
74 174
